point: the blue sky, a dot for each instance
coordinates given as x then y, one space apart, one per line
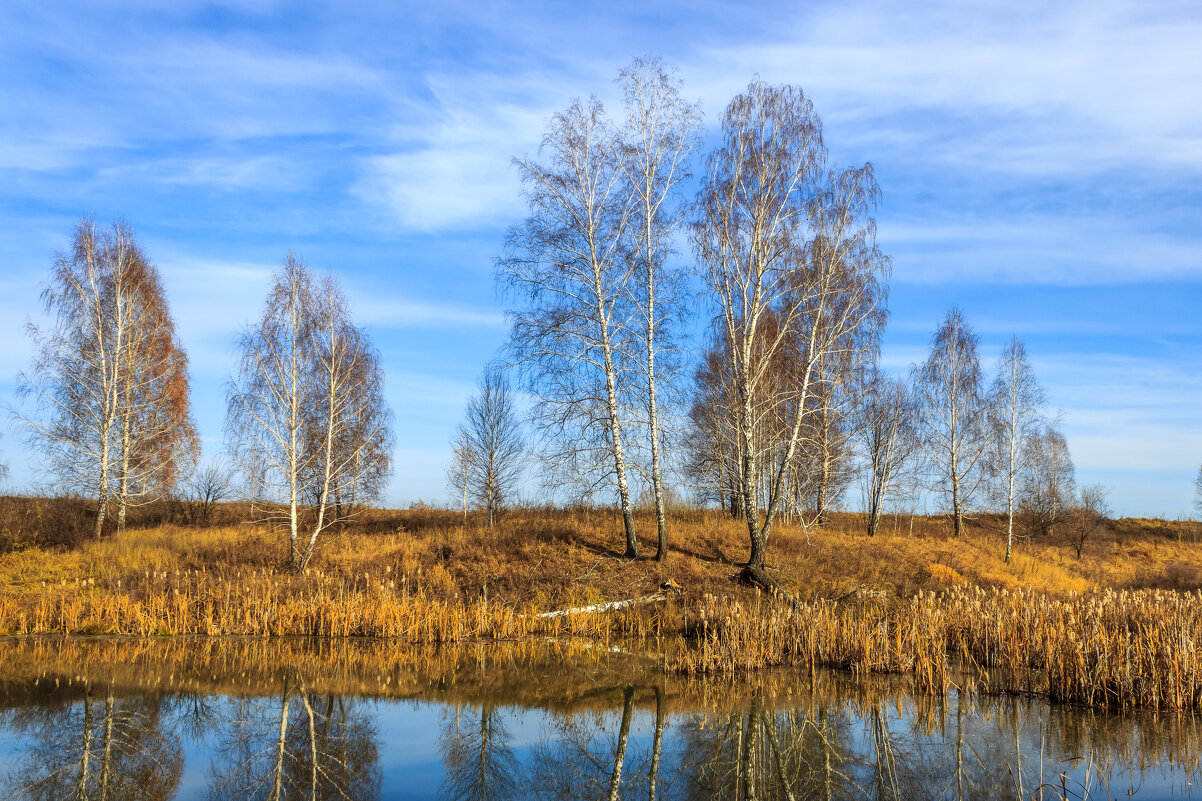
1040 168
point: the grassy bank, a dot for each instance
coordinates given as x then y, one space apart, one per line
1117 628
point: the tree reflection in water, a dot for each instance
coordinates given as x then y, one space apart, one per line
502 736
104 748
297 745
480 765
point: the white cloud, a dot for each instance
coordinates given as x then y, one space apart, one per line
1057 89
453 166
1051 248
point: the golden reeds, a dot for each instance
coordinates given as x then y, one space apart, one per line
420 578
1108 649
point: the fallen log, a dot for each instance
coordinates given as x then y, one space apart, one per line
608 606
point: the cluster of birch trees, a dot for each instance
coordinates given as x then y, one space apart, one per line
787 411
785 247
307 420
789 406
944 431
307 423
109 380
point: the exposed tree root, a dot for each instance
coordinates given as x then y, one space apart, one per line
755 577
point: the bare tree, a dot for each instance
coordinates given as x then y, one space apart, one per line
494 447
781 240
207 487
713 461
267 400
886 424
1090 515
109 377
307 408
575 336
459 470
1197 492
660 133
480 762
953 417
1050 485
350 424
1016 413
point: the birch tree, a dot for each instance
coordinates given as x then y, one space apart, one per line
459 469
494 448
307 410
1050 486
954 415
109 379
660 133
1015 416
886 420
267 400
1197 492
156 439
349 424
780 237
575 334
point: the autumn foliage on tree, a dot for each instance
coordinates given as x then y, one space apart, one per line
109 377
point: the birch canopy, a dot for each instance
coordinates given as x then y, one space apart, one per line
575 333
788 247
109 377
307 417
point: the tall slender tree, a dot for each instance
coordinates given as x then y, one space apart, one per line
459 469
954 414
575 335
1016 412
659 134
783 240
109 377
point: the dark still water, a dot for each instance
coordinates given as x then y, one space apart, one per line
290 719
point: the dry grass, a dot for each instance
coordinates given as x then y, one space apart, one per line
1046 623
1139 648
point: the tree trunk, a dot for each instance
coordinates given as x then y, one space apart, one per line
106 763
615 434
86 756
615 777
661 523
123 487
278 785
957 515
656 743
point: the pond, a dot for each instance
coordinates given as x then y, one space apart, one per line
365 719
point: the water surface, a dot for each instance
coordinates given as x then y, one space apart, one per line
293 719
